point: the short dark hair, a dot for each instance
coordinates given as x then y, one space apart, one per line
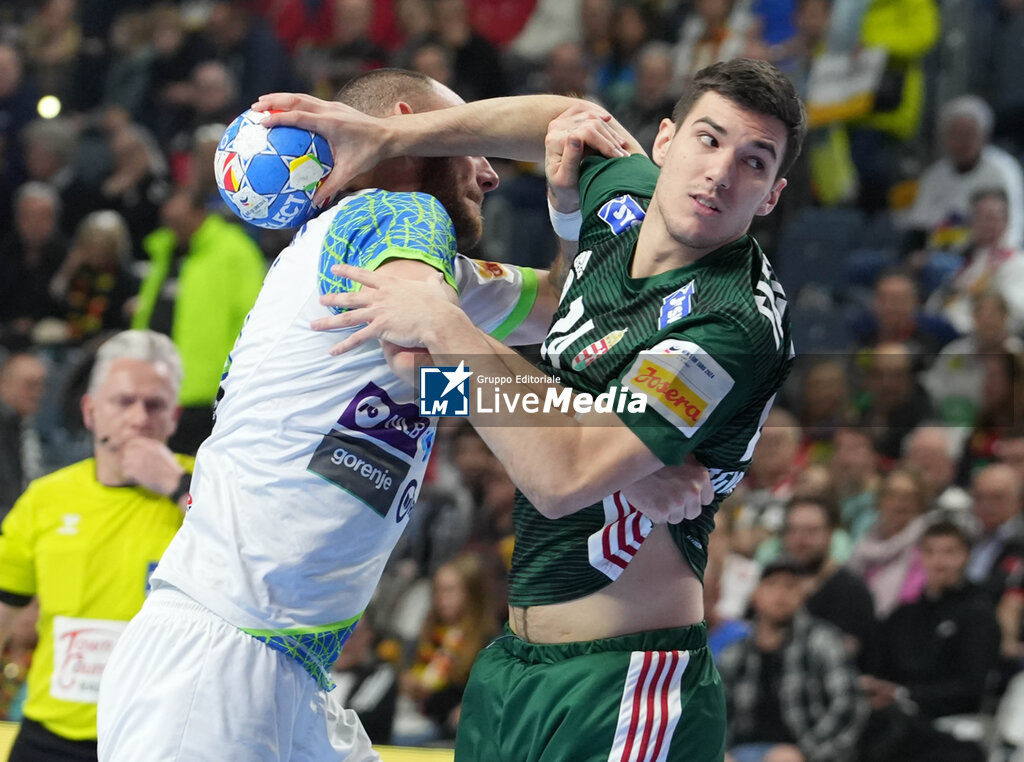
827 507
995 192
756 86
947 528
376 92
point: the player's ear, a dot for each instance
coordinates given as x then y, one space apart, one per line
401 108
773 198
666 131
87 406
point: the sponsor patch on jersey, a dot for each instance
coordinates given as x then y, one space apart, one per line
682 382
676 305
491 270
363 469
579 264
373 412
621 213
598 348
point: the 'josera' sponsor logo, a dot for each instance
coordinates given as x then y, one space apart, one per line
665 386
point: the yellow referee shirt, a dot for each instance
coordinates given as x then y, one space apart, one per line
86 551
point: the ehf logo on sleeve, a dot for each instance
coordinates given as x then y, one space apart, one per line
621 213
444 390
676 305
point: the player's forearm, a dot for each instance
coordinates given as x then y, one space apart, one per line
510 128
586 472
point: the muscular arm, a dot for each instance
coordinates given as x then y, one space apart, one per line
596 453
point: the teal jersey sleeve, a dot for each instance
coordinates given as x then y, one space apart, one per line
602 179
695 381
379 226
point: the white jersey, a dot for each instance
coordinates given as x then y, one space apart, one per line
315 462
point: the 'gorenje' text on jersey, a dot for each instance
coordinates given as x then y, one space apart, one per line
709 344
315 462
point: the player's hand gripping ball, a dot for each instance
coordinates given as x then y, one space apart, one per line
268 176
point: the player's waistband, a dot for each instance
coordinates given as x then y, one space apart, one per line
315 649
690 638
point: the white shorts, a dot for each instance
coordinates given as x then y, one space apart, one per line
184 685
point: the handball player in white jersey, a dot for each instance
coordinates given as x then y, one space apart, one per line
313 467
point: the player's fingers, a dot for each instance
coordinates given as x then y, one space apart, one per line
333 185
290 102
357 339
359 275
306 120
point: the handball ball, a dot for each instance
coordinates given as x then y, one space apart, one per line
268 175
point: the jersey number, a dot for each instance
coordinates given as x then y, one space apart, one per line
564 332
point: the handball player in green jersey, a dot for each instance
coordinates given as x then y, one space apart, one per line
667 297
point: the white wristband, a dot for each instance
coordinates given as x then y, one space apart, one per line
566 225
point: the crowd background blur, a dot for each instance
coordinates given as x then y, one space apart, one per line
898 241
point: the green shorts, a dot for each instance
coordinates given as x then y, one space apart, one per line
636 698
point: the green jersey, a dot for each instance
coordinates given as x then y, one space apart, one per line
708 344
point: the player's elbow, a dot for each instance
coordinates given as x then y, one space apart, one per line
557 499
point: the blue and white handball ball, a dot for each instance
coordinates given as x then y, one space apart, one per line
268 175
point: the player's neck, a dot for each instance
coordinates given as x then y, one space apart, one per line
658 251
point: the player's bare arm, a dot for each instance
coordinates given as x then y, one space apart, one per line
601 454
509 128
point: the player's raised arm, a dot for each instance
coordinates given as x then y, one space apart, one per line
512 128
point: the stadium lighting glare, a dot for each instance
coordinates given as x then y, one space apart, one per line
48 106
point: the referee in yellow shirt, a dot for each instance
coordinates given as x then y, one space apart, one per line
86 538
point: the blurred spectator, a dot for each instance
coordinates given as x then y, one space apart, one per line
22 384
716 30
18 98
932 452
1002 388
176 52
205 275
344 49
893 401
131 58
1010 450
566 72
415 25
938 653
615 72
476 63
769 481
50 147
956 380
998 499
248 47
907 30
887 557
366 683
896 317
653 96
729 580
29 255
551 23
989 264
94 284
811 536
85 539
823 407
138 184
790 687
53 39
435 60
460 623
856 476
969 164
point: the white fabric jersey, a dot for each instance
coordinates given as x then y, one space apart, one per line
315 462
943 194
